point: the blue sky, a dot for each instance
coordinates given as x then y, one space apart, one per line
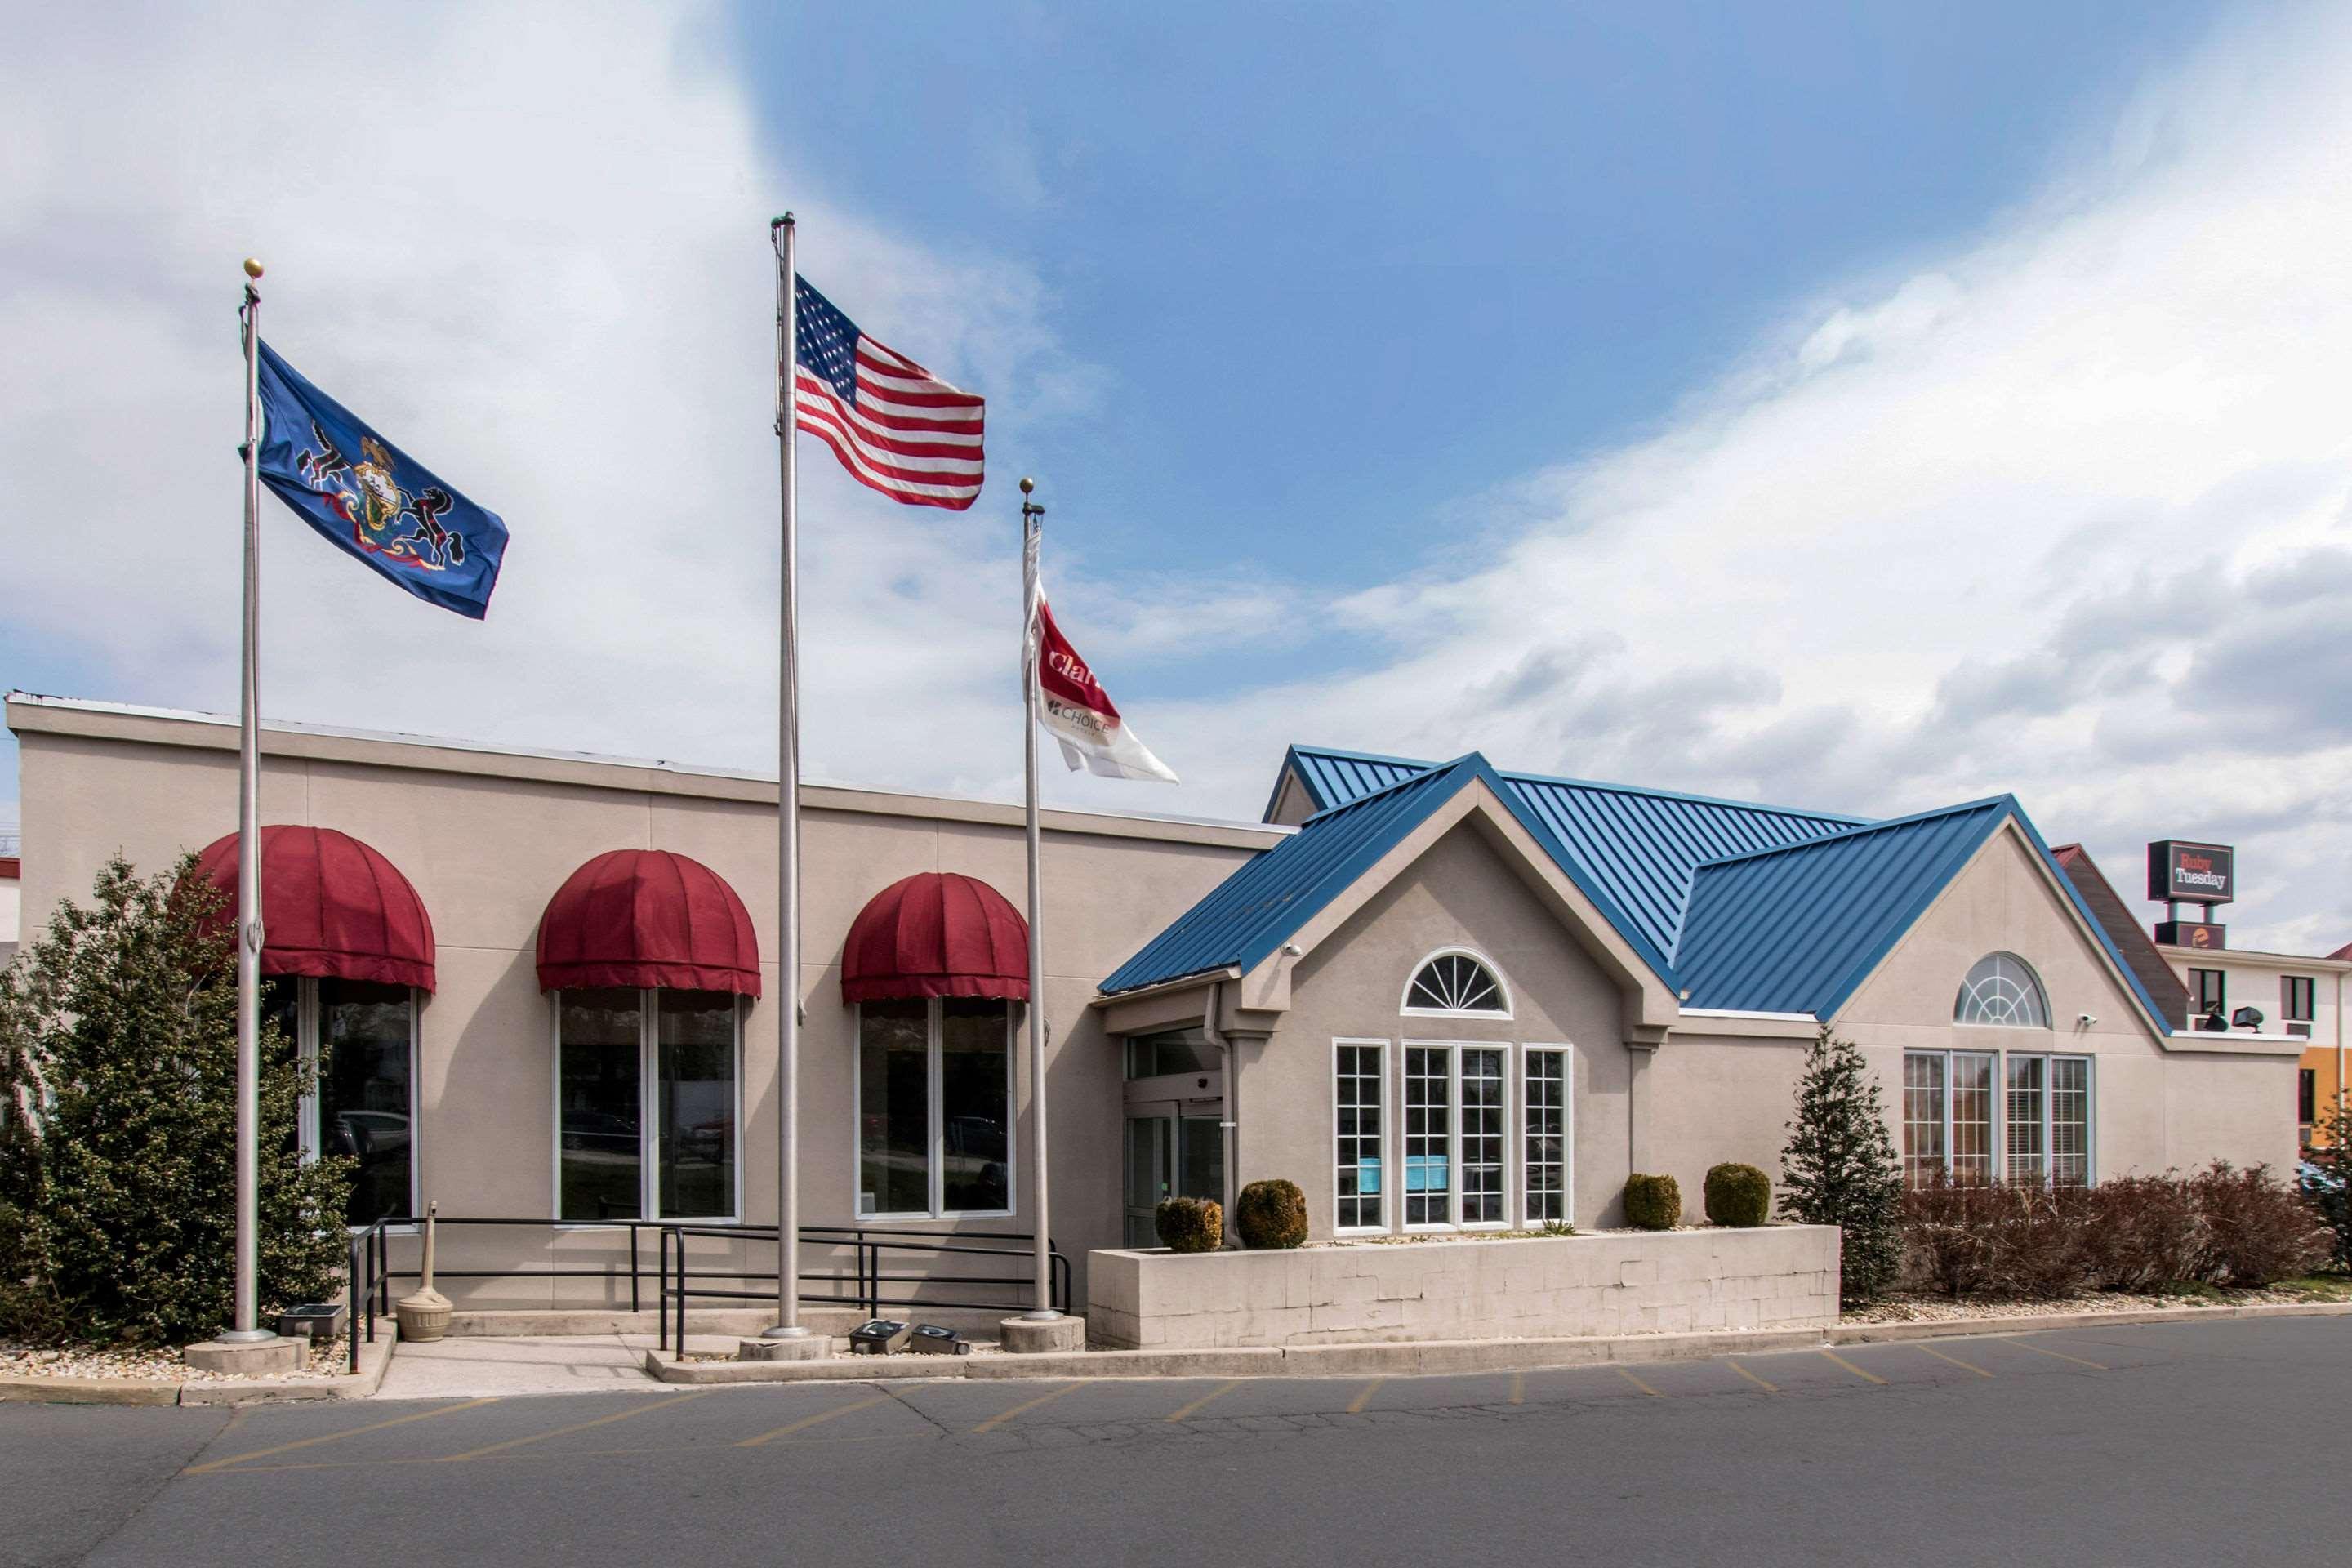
1861 408
1345 264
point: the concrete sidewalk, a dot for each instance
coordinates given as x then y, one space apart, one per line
476 1368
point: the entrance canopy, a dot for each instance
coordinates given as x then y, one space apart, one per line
936 933
332 907
647 917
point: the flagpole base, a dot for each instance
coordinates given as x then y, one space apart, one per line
795 1344
243 1337
264 1357
1032 1335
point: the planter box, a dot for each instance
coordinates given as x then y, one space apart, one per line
1636 1282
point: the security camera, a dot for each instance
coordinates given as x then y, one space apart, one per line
2085 1020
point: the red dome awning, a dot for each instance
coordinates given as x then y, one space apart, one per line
330 907
647 917
936 934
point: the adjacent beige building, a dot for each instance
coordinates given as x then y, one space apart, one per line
1436 997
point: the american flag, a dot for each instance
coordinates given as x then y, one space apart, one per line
894 424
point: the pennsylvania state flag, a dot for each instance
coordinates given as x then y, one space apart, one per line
369 498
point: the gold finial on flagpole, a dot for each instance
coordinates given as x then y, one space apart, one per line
252 267
1028 485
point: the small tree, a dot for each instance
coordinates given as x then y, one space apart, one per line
1838 1167
126 1012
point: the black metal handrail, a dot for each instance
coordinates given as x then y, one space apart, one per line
369 1274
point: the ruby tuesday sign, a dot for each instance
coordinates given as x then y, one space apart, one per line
2185 873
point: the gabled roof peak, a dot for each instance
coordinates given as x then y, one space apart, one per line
1864 829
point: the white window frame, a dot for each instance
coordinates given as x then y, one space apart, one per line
1511 1193
1391 1210
938 1212
2049 1114
1493 970
1566 1055
307 1128
2040 994
1998 1156
648 1116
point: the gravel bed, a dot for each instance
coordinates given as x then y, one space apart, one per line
328 1359
1926 1307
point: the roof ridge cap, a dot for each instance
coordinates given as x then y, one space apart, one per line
1518 775
1429 772
1857 831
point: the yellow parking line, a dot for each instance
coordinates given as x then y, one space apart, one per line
339 1436
805 1422
1188 1412
644 1409
2061 1356
1966 1366
1866 1376
993 1422
1518 1388
1752 1377
1639 1383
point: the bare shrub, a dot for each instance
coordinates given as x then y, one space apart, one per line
2257 1230
2139 1232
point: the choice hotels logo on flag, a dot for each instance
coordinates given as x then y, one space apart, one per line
1079 714
370 498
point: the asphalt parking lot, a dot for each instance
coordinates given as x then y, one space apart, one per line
2163 1444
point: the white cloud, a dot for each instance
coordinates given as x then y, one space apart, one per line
2011 515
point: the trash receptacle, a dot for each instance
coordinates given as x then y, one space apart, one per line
317 1321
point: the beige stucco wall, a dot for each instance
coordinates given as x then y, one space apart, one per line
1691 1281
486 851
1461 893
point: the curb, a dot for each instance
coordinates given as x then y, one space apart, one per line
1430 1356
148 1391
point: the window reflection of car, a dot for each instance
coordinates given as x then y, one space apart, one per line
975 1160
599 1131
368 1134
707 1142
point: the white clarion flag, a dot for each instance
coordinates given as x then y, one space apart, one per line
1078 713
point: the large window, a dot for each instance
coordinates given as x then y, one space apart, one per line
2047 1119
359 1037
2003 992
1544 1100
1358 1099
620 1053
934 1109
1456 1135
1947 1115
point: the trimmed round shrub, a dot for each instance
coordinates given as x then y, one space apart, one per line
1190 1224
1738 1195
1652 1203
1271 1215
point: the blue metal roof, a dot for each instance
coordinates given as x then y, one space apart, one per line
1334 778
1795 930
1264 902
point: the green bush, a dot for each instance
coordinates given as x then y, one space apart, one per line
1271 1215
1652 1203
1739 1195
126 1219
1190 1224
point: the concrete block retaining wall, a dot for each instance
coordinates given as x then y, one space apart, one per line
1635 1282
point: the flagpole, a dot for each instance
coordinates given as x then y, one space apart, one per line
788 1324
244 1327
1033 531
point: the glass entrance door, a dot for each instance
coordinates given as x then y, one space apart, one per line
1171 1155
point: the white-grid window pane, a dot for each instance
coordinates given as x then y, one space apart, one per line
1455 983
1544 1100
1972 1115
1923 1116
1428 1136
2002 991
2070 1120
2028 1151
1360 1130
1483 1137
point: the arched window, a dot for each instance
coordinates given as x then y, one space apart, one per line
1455 982
2002 991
